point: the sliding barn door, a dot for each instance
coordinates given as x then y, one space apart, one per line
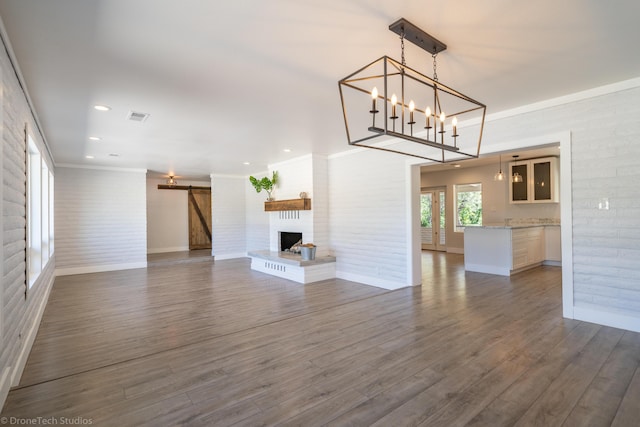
199 219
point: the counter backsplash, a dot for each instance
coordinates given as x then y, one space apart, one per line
532 221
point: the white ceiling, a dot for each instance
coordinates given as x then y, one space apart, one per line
241 81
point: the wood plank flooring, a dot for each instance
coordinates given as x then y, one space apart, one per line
203 344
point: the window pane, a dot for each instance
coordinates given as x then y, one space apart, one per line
45 213
468 205
34 212
50 213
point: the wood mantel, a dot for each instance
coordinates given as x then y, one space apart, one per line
288 205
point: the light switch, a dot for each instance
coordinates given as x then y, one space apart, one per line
603 204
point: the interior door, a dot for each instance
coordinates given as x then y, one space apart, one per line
432 219
199 219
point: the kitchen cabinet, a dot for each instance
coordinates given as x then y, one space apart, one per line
539 181
505 250
527 247
552 245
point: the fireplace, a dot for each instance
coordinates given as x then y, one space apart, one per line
288 240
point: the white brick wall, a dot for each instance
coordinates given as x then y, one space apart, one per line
19 315
100 220
257 220
605 153
304 174
320 205
229 223
368 217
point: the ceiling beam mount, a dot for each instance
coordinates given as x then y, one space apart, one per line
418 37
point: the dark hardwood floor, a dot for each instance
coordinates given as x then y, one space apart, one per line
218 344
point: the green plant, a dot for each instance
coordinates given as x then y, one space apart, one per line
265 184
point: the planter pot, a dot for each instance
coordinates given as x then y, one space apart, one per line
308 254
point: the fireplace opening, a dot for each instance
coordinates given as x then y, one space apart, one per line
290 242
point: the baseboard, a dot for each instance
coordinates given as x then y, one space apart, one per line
230 256
99 268
371 281
553 263
488 269
30 336
607 318
5 385
11 375
165 250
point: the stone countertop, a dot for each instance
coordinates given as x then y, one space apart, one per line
514 226
290 258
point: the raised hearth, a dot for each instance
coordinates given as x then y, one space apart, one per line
291 266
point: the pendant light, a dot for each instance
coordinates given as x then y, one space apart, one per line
499 176
385 100
516 176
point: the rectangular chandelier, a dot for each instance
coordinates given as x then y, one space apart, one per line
388 106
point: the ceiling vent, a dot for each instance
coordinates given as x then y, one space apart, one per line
136 116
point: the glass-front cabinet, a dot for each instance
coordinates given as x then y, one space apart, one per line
539 182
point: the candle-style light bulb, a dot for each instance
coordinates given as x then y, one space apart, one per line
374 97
442 117
412 107
427 113
394 101
454 122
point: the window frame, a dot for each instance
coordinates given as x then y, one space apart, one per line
39 208
457 227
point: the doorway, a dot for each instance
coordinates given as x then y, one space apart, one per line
432 219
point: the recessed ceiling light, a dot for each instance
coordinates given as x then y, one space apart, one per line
287 150
455 165
102 107
89 157
95 138
246 163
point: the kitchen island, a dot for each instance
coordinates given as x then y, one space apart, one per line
509 249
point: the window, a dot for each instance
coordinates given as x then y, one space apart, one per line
468 200
39 212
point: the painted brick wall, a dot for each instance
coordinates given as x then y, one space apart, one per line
19 315
257 220
320 205
296 175
100 220
368 217
228 216
605 153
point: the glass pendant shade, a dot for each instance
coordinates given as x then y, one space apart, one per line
499 176
516 176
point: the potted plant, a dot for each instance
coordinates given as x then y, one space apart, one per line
265 184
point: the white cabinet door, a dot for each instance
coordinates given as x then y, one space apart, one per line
539 181
527 247
552 244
